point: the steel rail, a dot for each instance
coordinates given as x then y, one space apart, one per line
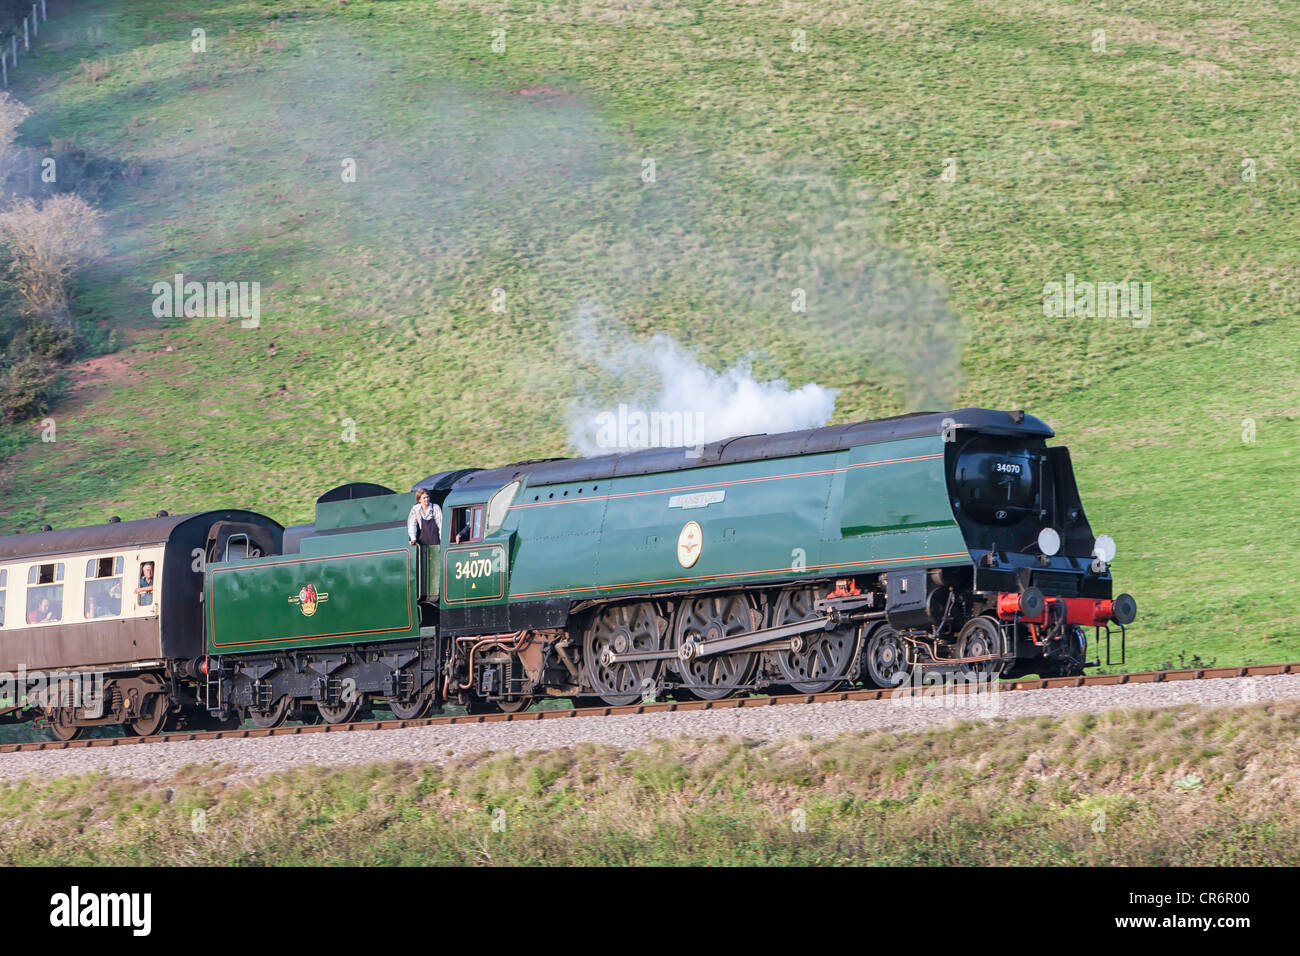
657 707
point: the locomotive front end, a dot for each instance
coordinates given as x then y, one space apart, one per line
1038 567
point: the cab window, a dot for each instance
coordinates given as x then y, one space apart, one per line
467 523
104 587
45 594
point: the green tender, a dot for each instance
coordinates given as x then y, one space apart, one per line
259 605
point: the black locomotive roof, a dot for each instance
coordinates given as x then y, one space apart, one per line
445 480
353 490
755 448
104 537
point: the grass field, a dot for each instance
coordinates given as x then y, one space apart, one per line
822 169
1126 788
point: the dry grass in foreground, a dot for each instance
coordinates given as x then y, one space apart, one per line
1186 787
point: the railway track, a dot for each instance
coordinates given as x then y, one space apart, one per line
1051 683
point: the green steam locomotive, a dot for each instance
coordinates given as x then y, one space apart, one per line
860 553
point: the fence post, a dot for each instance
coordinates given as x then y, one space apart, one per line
15 49
35 31
44 15
4 68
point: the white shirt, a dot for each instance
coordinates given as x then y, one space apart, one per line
413 520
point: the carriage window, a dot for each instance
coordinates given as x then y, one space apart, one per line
103 587
467 523
45 594
144 593
4 583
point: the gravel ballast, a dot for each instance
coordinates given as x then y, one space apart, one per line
436 744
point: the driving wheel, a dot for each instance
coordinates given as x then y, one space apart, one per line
823 658
714 676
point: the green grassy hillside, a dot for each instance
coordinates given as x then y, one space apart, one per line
775 169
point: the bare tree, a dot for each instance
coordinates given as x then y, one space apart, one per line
46 244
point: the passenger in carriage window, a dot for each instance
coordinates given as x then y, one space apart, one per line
42 613
145 591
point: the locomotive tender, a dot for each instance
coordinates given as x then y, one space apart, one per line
808 560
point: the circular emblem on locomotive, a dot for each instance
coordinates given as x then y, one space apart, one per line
308 598
689 544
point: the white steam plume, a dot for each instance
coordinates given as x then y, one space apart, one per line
656 392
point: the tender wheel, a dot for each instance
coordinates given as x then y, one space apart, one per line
152 720
699 619
274 715
824 658
341 713
621 630
62 726
981 638
414 709
887 657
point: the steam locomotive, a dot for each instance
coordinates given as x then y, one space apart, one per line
863 553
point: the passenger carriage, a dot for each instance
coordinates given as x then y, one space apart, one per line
85 639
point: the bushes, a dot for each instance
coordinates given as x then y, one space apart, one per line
43 246
46 244
30 377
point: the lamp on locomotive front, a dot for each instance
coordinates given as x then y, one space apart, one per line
1103 550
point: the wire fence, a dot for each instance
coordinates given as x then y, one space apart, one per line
29 29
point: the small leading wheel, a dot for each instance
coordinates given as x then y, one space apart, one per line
413 709
1069 660
152 718
823 658
272 716
887 657
62 726
342 712
981 639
